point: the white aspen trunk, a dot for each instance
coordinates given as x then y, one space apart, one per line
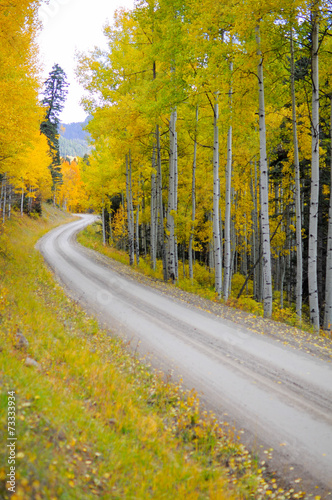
227 252
1 195
4 200
127 203
254 237
30 200
227 261
153 218
160 207
264 190
129 211
110 224
10 201
211 254
299 260
171 200
22 201
314 194
143 225
137 234
193 204
176 253
328 282
132 220
103 225
258 235
221 236
233 252
245 256
216 196
282 277
122 241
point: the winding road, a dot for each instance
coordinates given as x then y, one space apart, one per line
280 398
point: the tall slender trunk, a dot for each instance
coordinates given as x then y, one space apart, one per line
10 201
1 194
216 196
176 253
4 200
227 258
129 210
264 189
211 254
137 234
255 233
314 193
103 225
328 282
132 219
171 200
299 263
153 220
110 226
193 204
160 207
22 201
143 225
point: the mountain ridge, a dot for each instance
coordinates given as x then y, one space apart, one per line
74 140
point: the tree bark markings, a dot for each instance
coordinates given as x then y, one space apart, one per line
264 188
314 193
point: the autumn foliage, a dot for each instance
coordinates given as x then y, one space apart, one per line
24 154
208 62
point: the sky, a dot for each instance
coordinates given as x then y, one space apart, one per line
70 26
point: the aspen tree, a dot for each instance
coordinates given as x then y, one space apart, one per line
129 210
160 206
264 188
193 203
314 191
299 263
137 233
171 247
216 197
227 265
153 212
328 283
103 225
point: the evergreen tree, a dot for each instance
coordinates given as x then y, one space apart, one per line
55 92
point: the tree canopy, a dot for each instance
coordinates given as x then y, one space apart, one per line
23 156
226 72
54 96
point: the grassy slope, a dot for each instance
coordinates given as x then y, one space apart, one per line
92 421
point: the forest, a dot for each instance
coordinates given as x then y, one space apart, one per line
210 143
24 152
212 134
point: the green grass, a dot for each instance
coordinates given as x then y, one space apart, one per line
92 421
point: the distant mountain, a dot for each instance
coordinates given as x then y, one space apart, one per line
74 141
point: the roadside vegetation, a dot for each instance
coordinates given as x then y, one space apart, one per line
201 284
92 421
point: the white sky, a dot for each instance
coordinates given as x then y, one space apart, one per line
70 25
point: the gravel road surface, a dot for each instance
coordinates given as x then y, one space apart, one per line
278 397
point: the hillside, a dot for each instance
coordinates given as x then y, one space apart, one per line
94 422
74 140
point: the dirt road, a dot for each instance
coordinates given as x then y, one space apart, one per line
281 398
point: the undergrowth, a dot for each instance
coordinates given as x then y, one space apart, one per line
92 421
202 284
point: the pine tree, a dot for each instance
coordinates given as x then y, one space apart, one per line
55 92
